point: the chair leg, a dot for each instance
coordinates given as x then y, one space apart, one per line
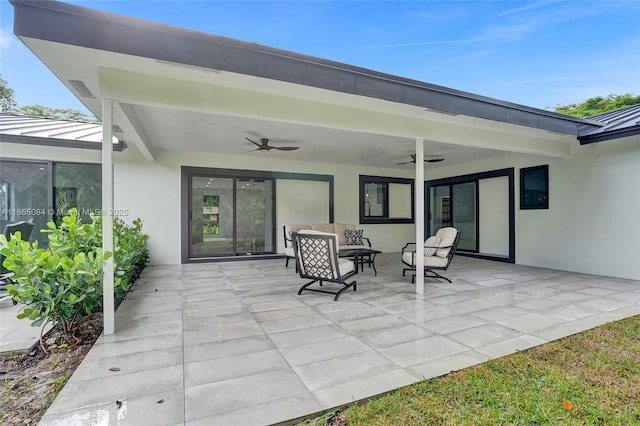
304 287
346 286
286 264
428 273
436 275
337 294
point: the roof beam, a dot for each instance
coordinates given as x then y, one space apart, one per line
144 143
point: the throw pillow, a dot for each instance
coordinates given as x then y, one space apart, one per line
431 245
353 237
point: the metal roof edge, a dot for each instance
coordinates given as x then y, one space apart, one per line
76 25
609 135
59 143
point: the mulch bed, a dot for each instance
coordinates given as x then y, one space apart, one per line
32 380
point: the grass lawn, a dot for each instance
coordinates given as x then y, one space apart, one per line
592 378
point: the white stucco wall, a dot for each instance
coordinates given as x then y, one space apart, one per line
593 221
592 225
151 190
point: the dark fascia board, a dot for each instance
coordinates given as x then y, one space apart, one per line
610 135
75 25
60 143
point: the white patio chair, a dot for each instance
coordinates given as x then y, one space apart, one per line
438 253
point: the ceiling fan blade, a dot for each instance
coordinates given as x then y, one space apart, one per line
406 162
285 148
434 160
255 143
257 149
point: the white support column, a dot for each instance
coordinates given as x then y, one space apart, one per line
107 215
419 215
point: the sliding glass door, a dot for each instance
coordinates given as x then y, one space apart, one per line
481 206
212 219
455 205
254 206
25 195
465 214
230 216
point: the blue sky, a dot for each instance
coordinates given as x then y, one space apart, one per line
536 53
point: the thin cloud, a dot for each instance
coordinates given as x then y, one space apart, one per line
7 39
426 43
298 18
431 16
511 32
526 8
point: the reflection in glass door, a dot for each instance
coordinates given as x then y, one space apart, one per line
230 216
24 195
254 203
455 205
212 219
440 215
465 218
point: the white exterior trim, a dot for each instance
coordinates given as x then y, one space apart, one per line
107 217
419 215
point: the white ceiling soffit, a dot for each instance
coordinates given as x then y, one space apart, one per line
190 108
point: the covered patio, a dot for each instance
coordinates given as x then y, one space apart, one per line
232 343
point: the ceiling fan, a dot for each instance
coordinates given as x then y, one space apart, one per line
429 160
264 146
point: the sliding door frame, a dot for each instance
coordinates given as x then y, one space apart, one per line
477 177
187 172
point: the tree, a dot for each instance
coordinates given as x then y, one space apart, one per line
598 105
8 104
7 100
57 113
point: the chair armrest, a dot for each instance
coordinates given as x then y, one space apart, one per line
368 241
288 241
407 245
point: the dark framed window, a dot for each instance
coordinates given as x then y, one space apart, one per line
534 188
41 191
386 199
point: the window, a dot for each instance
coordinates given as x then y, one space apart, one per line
534 188
386 200
42 190
77 186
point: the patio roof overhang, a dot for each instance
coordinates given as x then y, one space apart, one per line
180 89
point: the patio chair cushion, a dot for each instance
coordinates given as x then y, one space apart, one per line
340 229
317 232
431 245
429 261
447 238
289 229
289 251
345 266
323 227
353 237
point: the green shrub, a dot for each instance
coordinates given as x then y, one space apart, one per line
63 283
130 252
54 287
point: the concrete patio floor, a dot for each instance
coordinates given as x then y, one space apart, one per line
16 335
233 344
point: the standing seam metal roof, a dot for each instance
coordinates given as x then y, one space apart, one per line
48 131
619 123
